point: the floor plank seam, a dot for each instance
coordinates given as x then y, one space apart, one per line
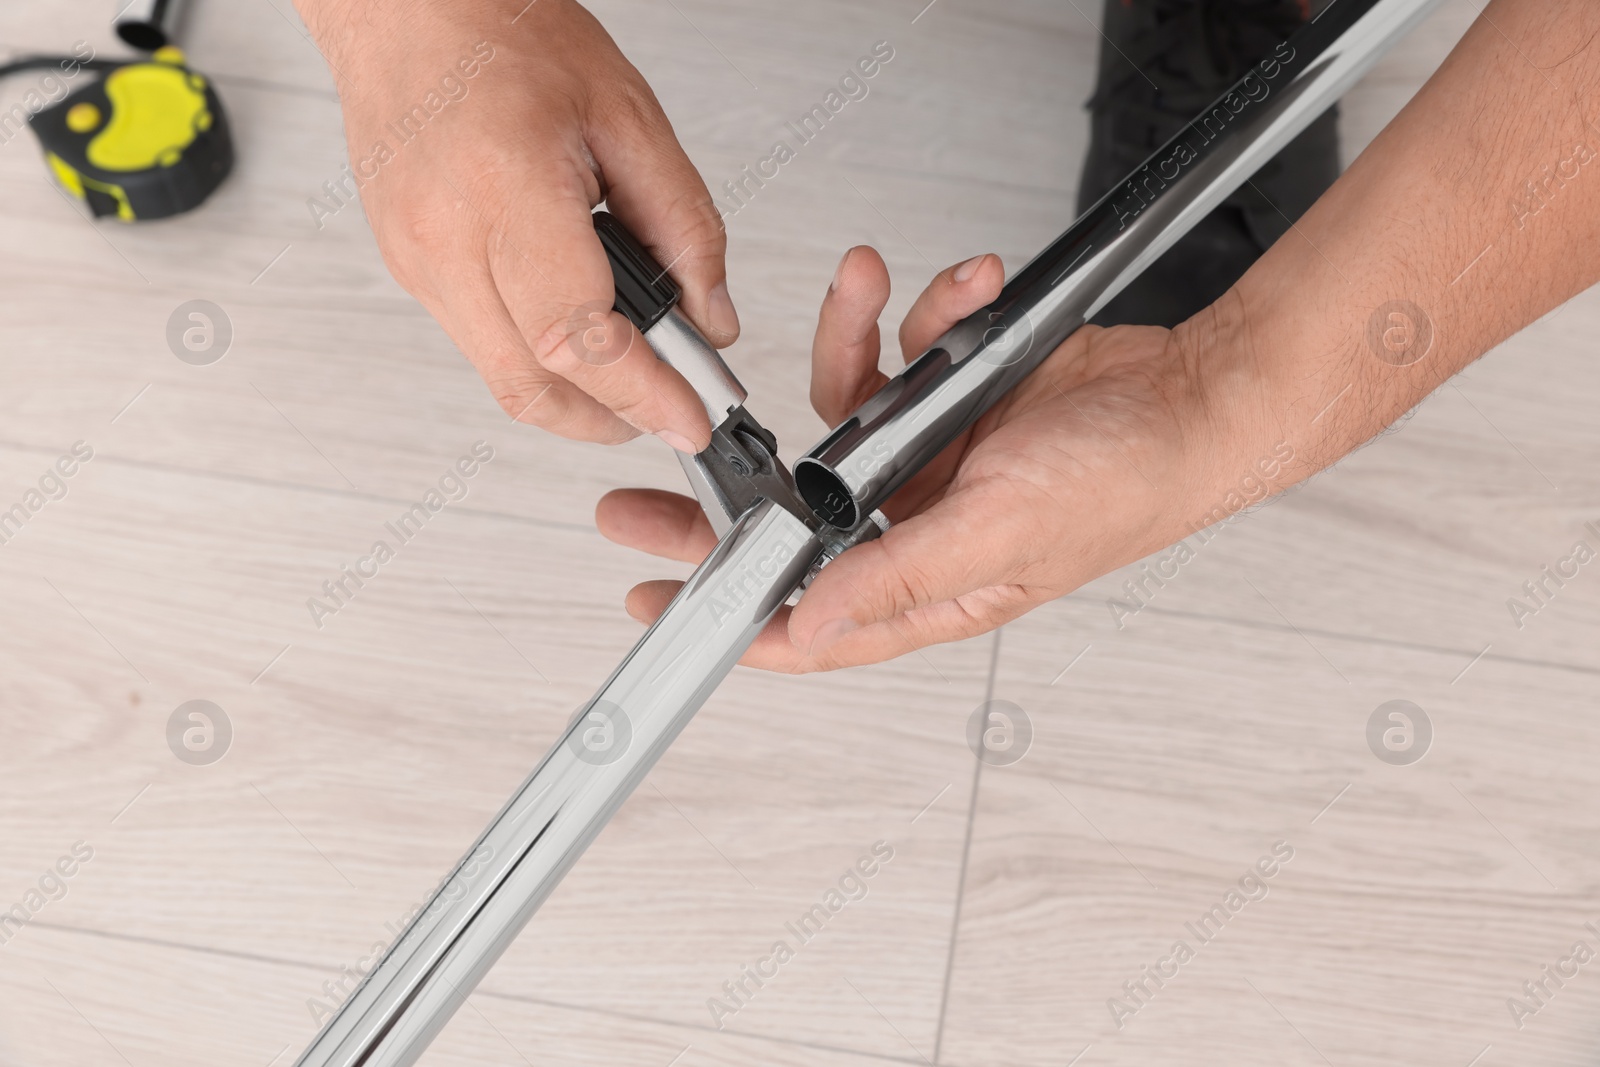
1383 642
966 851
303 965
245 81
350 494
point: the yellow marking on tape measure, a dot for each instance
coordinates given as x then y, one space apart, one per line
82 117
78 185
70 180
155 114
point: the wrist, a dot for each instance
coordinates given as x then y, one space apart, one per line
1283 388
1310 369
1237 448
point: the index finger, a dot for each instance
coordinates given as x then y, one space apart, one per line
553 274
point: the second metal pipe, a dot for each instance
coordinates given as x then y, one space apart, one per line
917 413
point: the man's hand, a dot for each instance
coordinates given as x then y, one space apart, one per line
1476 211
1106 453
481 207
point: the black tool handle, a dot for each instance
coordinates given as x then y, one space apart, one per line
645 292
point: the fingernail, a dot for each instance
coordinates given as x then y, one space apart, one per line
969 268
720 310
829 633
838 272
678 441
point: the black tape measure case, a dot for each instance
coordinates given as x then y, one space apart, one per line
146 141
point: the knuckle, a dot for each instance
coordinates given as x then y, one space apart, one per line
904 591
525 393
418 236
639 408
553 346
530 401
591 337
904 586
693 204
423 224
631 104
897 585
518 182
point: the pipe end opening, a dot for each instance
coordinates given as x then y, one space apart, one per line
826 494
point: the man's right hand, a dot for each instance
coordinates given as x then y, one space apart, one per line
481 207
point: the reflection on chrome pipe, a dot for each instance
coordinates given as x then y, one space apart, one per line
607 750
921 410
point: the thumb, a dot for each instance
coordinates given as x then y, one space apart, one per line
903 585
655 190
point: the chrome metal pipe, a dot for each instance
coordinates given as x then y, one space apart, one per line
606 751
916 414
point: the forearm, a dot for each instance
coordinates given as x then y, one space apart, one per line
1473 213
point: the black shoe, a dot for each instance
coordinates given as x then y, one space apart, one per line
1162 62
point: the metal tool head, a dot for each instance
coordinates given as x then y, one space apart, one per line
740 466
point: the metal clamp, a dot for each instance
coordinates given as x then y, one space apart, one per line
740 466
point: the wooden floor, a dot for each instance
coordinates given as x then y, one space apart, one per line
1169 755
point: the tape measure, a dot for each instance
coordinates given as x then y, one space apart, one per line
146 141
